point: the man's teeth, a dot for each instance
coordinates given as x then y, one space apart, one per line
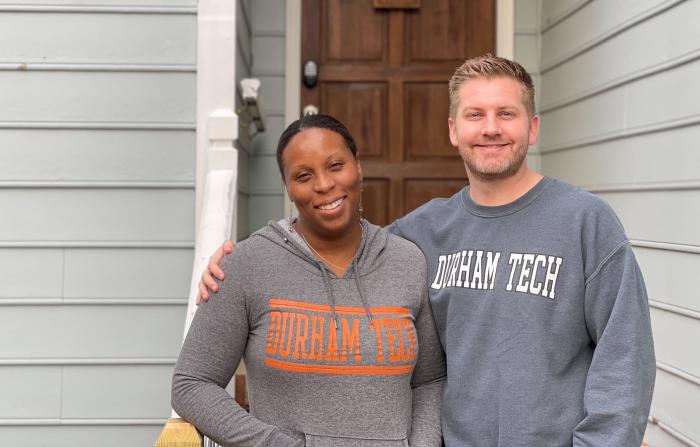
331 205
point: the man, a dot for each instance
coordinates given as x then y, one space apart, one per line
537 296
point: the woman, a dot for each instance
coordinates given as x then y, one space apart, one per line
330 314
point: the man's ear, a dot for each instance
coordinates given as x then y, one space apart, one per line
451 125
534 129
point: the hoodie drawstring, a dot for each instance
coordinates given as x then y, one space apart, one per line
356 275
329 292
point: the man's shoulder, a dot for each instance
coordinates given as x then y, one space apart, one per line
403 248
436 208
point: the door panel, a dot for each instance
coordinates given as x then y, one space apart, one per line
427 136
384 74
362 107
451 30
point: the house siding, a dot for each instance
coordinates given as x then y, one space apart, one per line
526 47
266 200
97 154
619 108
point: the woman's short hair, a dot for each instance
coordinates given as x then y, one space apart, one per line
313 122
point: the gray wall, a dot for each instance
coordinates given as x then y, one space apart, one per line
620 106
268 45
244 62
526 39
97 144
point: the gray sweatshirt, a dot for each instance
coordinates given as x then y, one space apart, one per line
330 361
543 314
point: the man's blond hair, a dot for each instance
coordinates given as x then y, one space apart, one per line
490 66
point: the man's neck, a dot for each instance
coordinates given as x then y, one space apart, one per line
502 191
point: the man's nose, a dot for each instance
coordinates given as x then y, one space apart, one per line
491 126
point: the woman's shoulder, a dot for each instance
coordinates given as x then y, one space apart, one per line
249 253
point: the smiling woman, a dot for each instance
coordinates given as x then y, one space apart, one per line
323 179
330 314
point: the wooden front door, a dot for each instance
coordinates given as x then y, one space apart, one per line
384 73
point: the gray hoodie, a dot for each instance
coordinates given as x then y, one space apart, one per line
330 361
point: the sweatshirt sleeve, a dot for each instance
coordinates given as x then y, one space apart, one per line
210 355
620 380
428 379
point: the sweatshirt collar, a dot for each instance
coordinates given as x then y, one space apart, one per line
503 210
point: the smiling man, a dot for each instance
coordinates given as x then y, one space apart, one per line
538 299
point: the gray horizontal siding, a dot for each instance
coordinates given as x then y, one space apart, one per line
658 215
97 162
97 215
590 23
676 341
90 331
268 22
84 392
670 276
653 103
120 273
97 38
656 436
268 16
624 58
81 435
554 11
621 118
100 3
265 175
97 96
104 155
598 165
266 142
675 403
244 62
99 274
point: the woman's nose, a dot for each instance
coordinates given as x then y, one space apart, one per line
324 182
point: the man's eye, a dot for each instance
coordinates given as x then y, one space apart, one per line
507 113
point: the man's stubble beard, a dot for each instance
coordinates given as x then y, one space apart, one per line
504 170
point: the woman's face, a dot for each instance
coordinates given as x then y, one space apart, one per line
323 179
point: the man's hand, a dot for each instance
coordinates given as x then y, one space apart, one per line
213 270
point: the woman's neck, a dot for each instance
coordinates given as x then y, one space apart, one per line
336 251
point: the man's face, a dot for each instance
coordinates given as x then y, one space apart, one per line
491 128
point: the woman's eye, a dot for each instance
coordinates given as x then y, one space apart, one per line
302 177
335 166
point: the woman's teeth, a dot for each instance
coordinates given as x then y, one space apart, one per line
330 206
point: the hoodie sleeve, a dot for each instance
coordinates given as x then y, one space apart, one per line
210 355
428 379
620 380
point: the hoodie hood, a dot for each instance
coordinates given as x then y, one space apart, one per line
366 259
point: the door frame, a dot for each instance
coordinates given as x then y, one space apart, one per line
505 47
